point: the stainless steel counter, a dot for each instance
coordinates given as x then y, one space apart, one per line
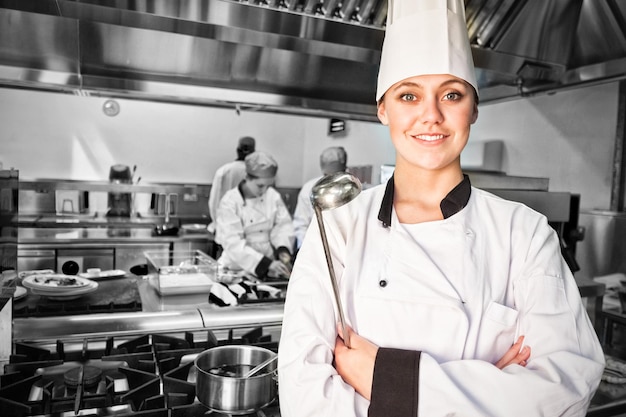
160 314
185 312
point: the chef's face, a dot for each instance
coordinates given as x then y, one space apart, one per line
429 119
258 186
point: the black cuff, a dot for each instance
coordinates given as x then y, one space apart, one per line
263 267
395 384
282 249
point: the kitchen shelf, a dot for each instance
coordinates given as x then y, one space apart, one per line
49 185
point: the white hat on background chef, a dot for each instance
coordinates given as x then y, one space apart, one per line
333 159
425 37
261 165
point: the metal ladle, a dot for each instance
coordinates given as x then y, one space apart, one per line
332 191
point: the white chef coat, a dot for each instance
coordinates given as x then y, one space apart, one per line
226 177
303 214
460 290
250 228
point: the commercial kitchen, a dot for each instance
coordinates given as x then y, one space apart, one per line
163 90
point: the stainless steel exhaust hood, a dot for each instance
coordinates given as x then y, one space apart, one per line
310 57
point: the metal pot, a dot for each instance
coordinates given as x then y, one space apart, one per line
220 385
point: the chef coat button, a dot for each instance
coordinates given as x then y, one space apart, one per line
382 283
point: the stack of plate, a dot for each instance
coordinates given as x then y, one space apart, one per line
59 286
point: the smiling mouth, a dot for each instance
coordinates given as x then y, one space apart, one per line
429 138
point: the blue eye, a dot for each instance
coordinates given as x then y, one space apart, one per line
453 96
408 97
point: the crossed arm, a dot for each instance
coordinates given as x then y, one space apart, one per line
355 364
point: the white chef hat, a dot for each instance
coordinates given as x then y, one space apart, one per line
425 37
333 159
261 165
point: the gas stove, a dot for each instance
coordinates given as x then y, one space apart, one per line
149 375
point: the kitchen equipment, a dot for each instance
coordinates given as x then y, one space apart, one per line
168 228
332 191
129 374
73 260
182 272
220 381
70 268
36 259
120 204
71 201
79 389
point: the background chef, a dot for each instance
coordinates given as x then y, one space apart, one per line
332 159
254 226
229 176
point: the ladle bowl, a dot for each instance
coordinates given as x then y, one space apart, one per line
333 191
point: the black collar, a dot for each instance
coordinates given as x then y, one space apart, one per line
450 205
240 188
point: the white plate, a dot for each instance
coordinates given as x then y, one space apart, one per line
20 292
113 273
68 289
69 294
55 282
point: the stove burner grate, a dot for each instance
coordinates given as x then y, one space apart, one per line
143 376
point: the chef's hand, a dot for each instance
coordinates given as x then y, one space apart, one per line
278 269
515 355
355 364
285 257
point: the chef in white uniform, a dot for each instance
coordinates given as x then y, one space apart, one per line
229 176
254 226
442 283
332 159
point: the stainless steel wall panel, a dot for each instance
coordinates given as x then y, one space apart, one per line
118 52
317 58
46 53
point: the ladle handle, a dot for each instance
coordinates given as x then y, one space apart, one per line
260 366
331 271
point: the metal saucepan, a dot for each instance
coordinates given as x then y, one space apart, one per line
220 381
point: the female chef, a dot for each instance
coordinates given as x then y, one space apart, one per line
253 224
438 279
